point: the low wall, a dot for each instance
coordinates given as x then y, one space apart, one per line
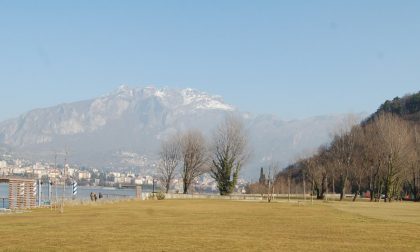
213 196
257 197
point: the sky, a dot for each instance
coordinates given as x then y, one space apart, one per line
294 59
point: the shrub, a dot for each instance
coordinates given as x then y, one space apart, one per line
156 196
160 196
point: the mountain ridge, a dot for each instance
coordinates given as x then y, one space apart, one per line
101 131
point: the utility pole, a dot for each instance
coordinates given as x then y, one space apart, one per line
269 185
304 186
288 181
50 193
153 187
272 187
55 169
64 184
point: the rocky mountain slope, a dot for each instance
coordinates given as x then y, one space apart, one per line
125 127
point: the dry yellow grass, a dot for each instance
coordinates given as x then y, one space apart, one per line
408 212
209 225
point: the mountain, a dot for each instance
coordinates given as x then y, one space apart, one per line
125 127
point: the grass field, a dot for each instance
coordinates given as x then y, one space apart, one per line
213 225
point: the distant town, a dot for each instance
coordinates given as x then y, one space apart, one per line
11 166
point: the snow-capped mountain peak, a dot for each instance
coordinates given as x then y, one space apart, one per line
187 98
135 120
123 90
201 100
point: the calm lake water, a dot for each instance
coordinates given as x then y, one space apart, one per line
83 193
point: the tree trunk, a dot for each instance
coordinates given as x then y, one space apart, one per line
326 196
323 187
312 193
378 193
168 184
357 192
343 187
387 190
342 194
355 196
318 193
415 188
186 186
372 193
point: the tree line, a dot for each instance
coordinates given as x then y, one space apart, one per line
189 155
380 157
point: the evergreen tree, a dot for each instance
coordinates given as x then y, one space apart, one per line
262 179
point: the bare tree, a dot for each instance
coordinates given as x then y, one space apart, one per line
310 173
414 183
194 156
272 172
256 188
316 170
380 155
229 153
170 155
374 155
323 161
343 148
397 146
361 160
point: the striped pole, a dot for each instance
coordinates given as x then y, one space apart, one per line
74 189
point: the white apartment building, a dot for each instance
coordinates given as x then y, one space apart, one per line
83 175
3 164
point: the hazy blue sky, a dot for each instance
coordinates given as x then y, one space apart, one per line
290 58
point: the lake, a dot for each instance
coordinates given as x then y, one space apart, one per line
83 193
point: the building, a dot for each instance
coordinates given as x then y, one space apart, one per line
4 171
39 172
71 171
115 174
83 175
119 180
3 164
18 171
54 173
128 180
138 181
